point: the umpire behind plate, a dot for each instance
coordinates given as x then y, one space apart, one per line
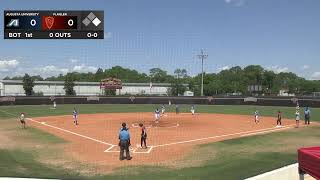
124 142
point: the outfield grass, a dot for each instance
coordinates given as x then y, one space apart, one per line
45 110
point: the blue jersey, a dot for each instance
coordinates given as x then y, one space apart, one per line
307 112
124 134
157 111
75 113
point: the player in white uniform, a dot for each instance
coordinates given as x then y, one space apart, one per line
297 114
256 116
22 120
192 110
54 105
157 115
163 109
297 107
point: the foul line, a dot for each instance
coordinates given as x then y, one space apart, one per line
86 137
264 132
220 136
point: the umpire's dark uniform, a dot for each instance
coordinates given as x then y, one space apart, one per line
124 142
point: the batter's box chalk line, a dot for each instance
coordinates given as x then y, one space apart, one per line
136 150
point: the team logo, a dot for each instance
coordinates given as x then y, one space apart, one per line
13 23
49 21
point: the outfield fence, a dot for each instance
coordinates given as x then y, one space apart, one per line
210 100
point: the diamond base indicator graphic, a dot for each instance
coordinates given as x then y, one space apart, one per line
53 24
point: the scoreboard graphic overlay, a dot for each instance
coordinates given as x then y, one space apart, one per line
53 24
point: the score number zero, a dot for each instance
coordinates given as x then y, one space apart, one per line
33 22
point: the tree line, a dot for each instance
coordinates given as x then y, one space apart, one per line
231 81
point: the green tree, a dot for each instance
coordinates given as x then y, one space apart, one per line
268 81
254 74
69 85
28 84
180 73
177 87
37 78
158 75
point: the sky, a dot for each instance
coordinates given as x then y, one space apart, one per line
279 35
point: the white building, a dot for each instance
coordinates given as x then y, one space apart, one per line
284 92
55 88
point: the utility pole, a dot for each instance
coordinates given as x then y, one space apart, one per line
202 56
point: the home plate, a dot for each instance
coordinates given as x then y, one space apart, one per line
143 150
117 149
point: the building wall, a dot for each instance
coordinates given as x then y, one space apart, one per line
15 88
144 90
1 89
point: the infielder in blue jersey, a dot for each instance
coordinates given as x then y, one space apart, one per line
157 115
75 116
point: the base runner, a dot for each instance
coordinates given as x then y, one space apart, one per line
22 120
75 116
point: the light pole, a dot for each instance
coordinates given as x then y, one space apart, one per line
202 56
